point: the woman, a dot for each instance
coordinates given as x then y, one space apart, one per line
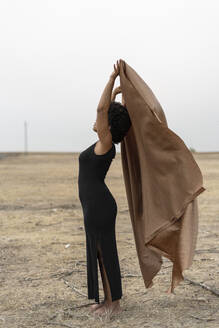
98 204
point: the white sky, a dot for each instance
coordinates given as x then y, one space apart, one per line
56 57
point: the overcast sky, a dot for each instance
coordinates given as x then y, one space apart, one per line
56 57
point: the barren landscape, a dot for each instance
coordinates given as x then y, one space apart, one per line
43 255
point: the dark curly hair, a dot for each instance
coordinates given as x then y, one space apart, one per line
119 121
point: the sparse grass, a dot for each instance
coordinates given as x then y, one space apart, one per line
40 214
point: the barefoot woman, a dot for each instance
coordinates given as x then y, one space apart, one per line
98 204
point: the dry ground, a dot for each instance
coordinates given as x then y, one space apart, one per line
43 255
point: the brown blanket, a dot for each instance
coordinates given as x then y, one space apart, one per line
162 182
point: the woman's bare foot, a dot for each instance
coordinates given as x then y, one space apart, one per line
169 291
94 307
108 308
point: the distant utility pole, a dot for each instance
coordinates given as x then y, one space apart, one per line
25 137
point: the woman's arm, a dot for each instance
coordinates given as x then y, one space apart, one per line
123 101
105 99
102 123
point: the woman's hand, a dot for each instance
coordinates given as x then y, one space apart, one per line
116 70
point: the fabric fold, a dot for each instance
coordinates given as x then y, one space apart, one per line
162 181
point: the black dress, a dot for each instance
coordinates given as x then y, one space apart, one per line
99 210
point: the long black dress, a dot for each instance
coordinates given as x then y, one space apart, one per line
99 210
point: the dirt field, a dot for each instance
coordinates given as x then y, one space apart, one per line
43 255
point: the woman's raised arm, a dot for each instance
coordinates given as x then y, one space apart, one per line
105 99
102 123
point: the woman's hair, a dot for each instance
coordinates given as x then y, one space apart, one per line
119 121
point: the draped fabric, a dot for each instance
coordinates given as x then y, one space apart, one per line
162 181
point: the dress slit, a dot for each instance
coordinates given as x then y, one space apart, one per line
108 249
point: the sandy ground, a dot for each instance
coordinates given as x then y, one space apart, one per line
43 255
